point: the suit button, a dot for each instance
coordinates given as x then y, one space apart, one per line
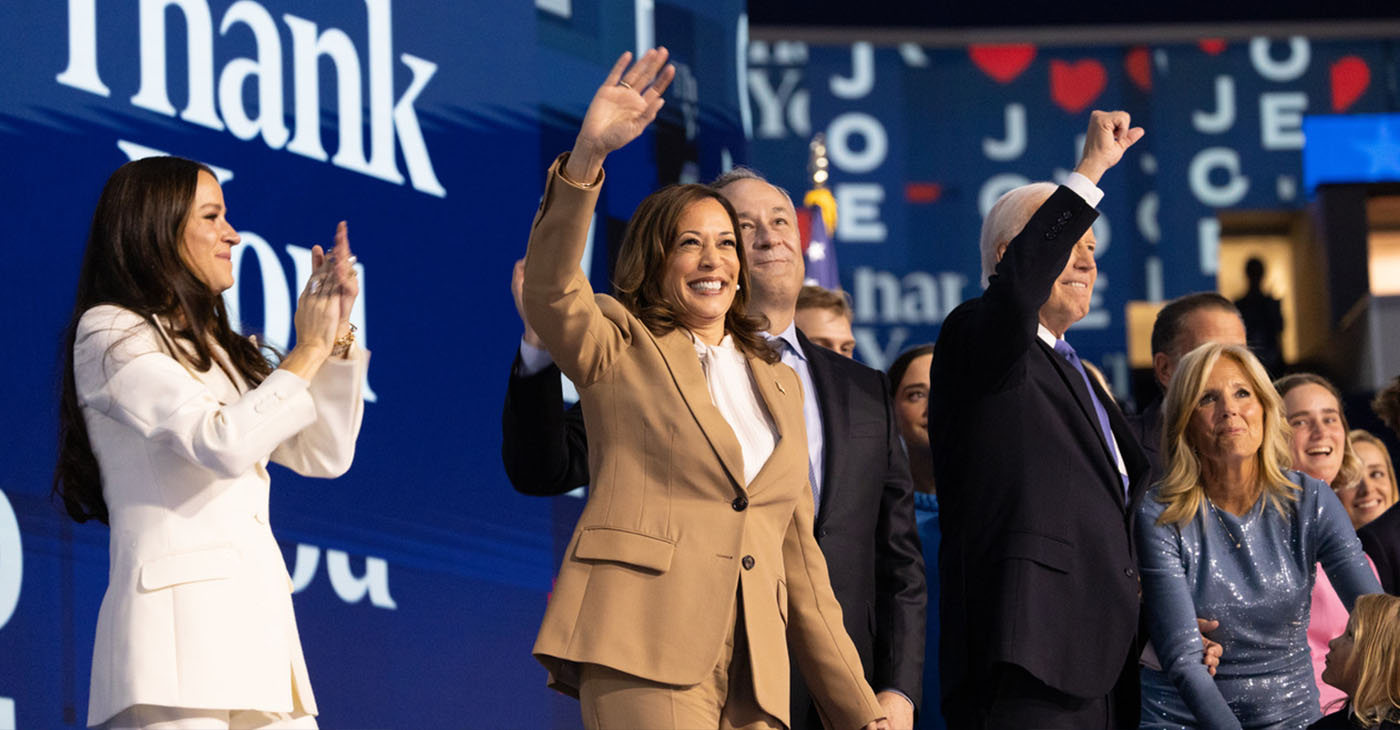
740 504
1050 235
260 518
748 562
1129 572
821 533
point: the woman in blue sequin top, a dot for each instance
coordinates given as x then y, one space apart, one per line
1230 535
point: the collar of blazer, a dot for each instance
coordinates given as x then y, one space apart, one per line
778 389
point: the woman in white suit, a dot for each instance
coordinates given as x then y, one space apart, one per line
168 419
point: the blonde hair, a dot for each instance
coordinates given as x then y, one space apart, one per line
1375 635
836 301
1181 489
1362 436
1351 463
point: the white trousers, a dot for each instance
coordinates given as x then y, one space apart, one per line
155 717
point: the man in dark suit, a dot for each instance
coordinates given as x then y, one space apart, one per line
1184 324
864 498
1036 472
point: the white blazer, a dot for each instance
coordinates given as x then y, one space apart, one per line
198 609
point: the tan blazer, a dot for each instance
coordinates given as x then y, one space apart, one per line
670 535
198 608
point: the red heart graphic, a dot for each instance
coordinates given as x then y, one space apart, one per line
922 192
1074 86
1350 78
1213 46
1138 64
1003 62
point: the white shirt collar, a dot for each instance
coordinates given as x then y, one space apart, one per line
1046 335
789 336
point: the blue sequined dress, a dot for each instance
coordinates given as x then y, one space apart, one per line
1258 591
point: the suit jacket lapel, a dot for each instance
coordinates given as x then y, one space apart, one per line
1075 381
833 407
678 350
775 398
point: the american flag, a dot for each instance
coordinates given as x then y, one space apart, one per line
817 249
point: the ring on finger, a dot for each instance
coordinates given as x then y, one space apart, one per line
624 84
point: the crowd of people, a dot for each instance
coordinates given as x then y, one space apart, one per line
774 535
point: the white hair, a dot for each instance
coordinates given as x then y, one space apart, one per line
1010 214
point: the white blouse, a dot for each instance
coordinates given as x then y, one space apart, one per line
734 393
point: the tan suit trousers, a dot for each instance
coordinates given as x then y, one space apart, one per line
613 700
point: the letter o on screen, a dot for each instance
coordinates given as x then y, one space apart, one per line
11 561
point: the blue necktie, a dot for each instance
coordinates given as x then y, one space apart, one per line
1068 353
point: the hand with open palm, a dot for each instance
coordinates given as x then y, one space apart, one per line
620 111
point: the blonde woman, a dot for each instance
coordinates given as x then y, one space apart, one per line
1364 662
1370 496
1231 535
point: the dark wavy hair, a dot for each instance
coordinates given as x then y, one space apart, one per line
133 261
641 268
901 365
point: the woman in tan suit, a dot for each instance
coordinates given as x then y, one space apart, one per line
693 570
168 419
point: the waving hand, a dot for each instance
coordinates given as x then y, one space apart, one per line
621 109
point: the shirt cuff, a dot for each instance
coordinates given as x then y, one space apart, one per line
533 360
1084 189
901 694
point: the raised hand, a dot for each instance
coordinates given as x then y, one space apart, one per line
1109 135
621 109
340 263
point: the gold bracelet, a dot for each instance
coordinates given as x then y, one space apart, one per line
342 345
575 183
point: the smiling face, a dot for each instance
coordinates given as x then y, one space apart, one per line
702 269
1227 424
207 239
1340 671
1069 297
772 242
1319 435
1375 493
911 403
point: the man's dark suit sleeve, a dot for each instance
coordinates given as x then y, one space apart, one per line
1022 282
544 447
901 585
1381 541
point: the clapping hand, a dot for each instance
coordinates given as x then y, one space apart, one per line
1108 136
621 109
337 268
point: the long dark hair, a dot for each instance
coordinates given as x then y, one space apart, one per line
133 261
641 268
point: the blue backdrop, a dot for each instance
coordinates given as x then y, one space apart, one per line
421 576
923 141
